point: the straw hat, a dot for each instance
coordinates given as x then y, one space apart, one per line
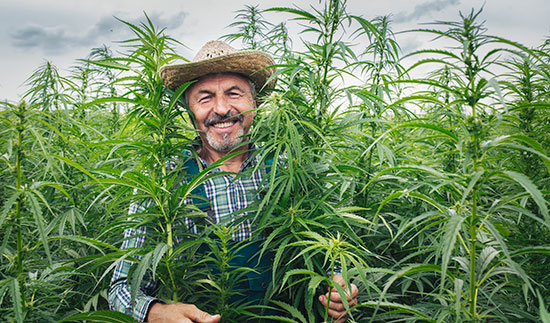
219 57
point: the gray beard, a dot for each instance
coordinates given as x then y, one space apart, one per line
226 144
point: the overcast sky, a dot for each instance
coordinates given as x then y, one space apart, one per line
62 31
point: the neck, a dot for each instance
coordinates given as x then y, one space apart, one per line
232 164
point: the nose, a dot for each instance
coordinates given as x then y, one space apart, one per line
221 106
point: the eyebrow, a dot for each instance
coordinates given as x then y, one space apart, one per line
234 87
205 92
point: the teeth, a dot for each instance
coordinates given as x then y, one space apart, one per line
223 124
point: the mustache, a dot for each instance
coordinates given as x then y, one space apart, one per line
222 118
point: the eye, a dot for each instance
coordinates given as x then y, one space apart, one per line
234 94
204 98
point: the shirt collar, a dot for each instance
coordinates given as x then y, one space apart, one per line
250 161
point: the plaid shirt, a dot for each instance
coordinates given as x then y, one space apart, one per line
227 194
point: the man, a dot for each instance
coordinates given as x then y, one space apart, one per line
222 104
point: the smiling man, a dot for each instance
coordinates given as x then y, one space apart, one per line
221 103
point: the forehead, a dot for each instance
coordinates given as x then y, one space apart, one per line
223 81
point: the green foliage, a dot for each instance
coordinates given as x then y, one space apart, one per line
429 193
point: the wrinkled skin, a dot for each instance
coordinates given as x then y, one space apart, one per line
179 313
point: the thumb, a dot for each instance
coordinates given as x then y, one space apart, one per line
203 317
211 319
339 280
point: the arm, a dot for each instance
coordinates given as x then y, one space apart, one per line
146 307
120 290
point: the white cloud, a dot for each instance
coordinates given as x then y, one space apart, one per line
65 30
60 38
425 9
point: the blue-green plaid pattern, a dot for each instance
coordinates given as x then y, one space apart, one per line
227 195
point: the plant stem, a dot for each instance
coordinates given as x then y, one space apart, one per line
170 243
329 289
473 239
18 185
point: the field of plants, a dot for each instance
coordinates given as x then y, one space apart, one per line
424 177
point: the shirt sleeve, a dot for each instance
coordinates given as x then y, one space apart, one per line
120 298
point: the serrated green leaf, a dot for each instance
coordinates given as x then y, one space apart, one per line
8 204
137 276
94 243
158 253
17 299
447 243
401 307
36 211
291 310
543 312
101 316
531 188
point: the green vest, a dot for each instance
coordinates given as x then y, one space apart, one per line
258 280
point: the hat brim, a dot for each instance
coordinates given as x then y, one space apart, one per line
254 64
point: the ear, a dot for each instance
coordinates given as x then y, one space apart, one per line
254 108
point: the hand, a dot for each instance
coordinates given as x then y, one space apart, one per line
336 309
179 313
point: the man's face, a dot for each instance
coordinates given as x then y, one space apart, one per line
221 104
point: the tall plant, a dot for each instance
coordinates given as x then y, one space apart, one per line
472 255
158 180
435 203
29 265
304 217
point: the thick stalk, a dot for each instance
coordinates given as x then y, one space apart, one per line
19 265
19 157
473 239
329 288
170 243
473 224
18 186
471 77
369 172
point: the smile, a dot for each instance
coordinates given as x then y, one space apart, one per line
223 122
226 124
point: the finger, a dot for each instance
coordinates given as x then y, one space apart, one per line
207 318
211 319
323 299
199 316
338 278
339 316
337 305
335 295
342 306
